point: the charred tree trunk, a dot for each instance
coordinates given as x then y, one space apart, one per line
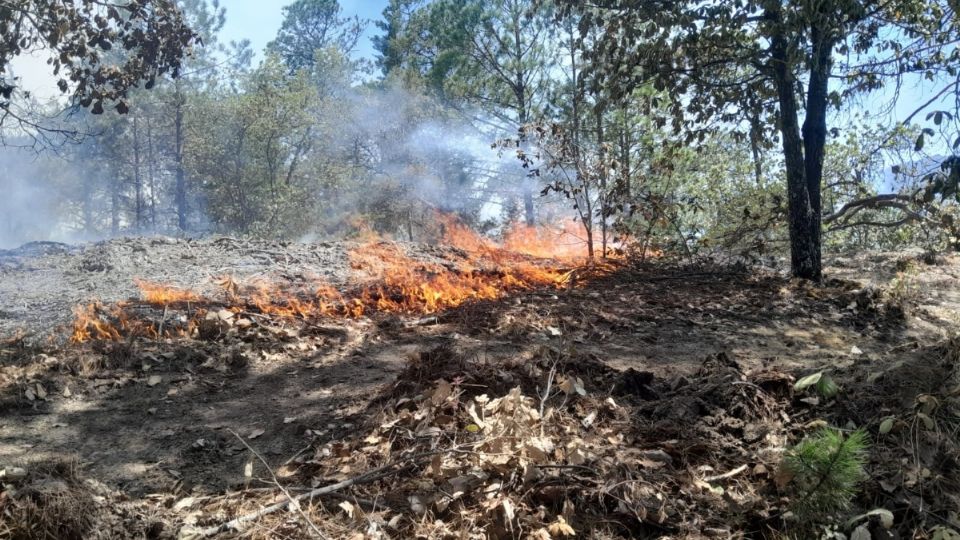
755 134
815 136
803 206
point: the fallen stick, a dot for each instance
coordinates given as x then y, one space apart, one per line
276 482
726 475
369 476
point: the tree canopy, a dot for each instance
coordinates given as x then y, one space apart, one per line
97 51
739 65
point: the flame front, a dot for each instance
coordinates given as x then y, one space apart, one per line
385 280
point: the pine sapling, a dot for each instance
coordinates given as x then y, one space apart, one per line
826 469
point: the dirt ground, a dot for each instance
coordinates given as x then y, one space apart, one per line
152 423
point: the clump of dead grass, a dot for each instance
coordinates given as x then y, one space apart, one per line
51 502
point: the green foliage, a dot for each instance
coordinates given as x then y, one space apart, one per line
315 25
827 468
98 52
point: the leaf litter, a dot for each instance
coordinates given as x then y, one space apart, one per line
554 439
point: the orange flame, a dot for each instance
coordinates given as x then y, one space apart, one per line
386 279
157 294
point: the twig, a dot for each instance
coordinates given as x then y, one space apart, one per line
163 319
369 476
727 474
546 393
276 482
363 502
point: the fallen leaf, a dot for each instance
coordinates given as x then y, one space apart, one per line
154 380
807 381
256 433
886 517
184 503
348 507
560 527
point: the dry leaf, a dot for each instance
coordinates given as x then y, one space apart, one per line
443 391
184 503
561 528
348 507
256 433
154 380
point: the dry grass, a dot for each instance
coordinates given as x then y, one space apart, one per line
52 503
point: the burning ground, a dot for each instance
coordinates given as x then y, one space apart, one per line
160 387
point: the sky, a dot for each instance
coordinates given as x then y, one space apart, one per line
259 21
256 20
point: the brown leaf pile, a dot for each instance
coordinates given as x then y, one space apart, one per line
542 449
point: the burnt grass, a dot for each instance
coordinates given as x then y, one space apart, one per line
676 401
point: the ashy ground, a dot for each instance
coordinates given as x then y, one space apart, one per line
650 401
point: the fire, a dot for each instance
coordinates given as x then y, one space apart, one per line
162 295
386 279
563 242
88 325
405 285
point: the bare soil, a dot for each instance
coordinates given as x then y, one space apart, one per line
700 359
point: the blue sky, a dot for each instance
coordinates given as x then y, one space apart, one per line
259 21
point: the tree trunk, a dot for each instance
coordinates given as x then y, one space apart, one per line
137 178
804 219
151 177
180 194
602 195
115 206
755 134
815 133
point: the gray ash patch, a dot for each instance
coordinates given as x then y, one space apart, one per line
41 282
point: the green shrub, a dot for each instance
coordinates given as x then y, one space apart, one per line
826 469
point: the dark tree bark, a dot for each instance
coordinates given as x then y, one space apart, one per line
815 135
803 193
